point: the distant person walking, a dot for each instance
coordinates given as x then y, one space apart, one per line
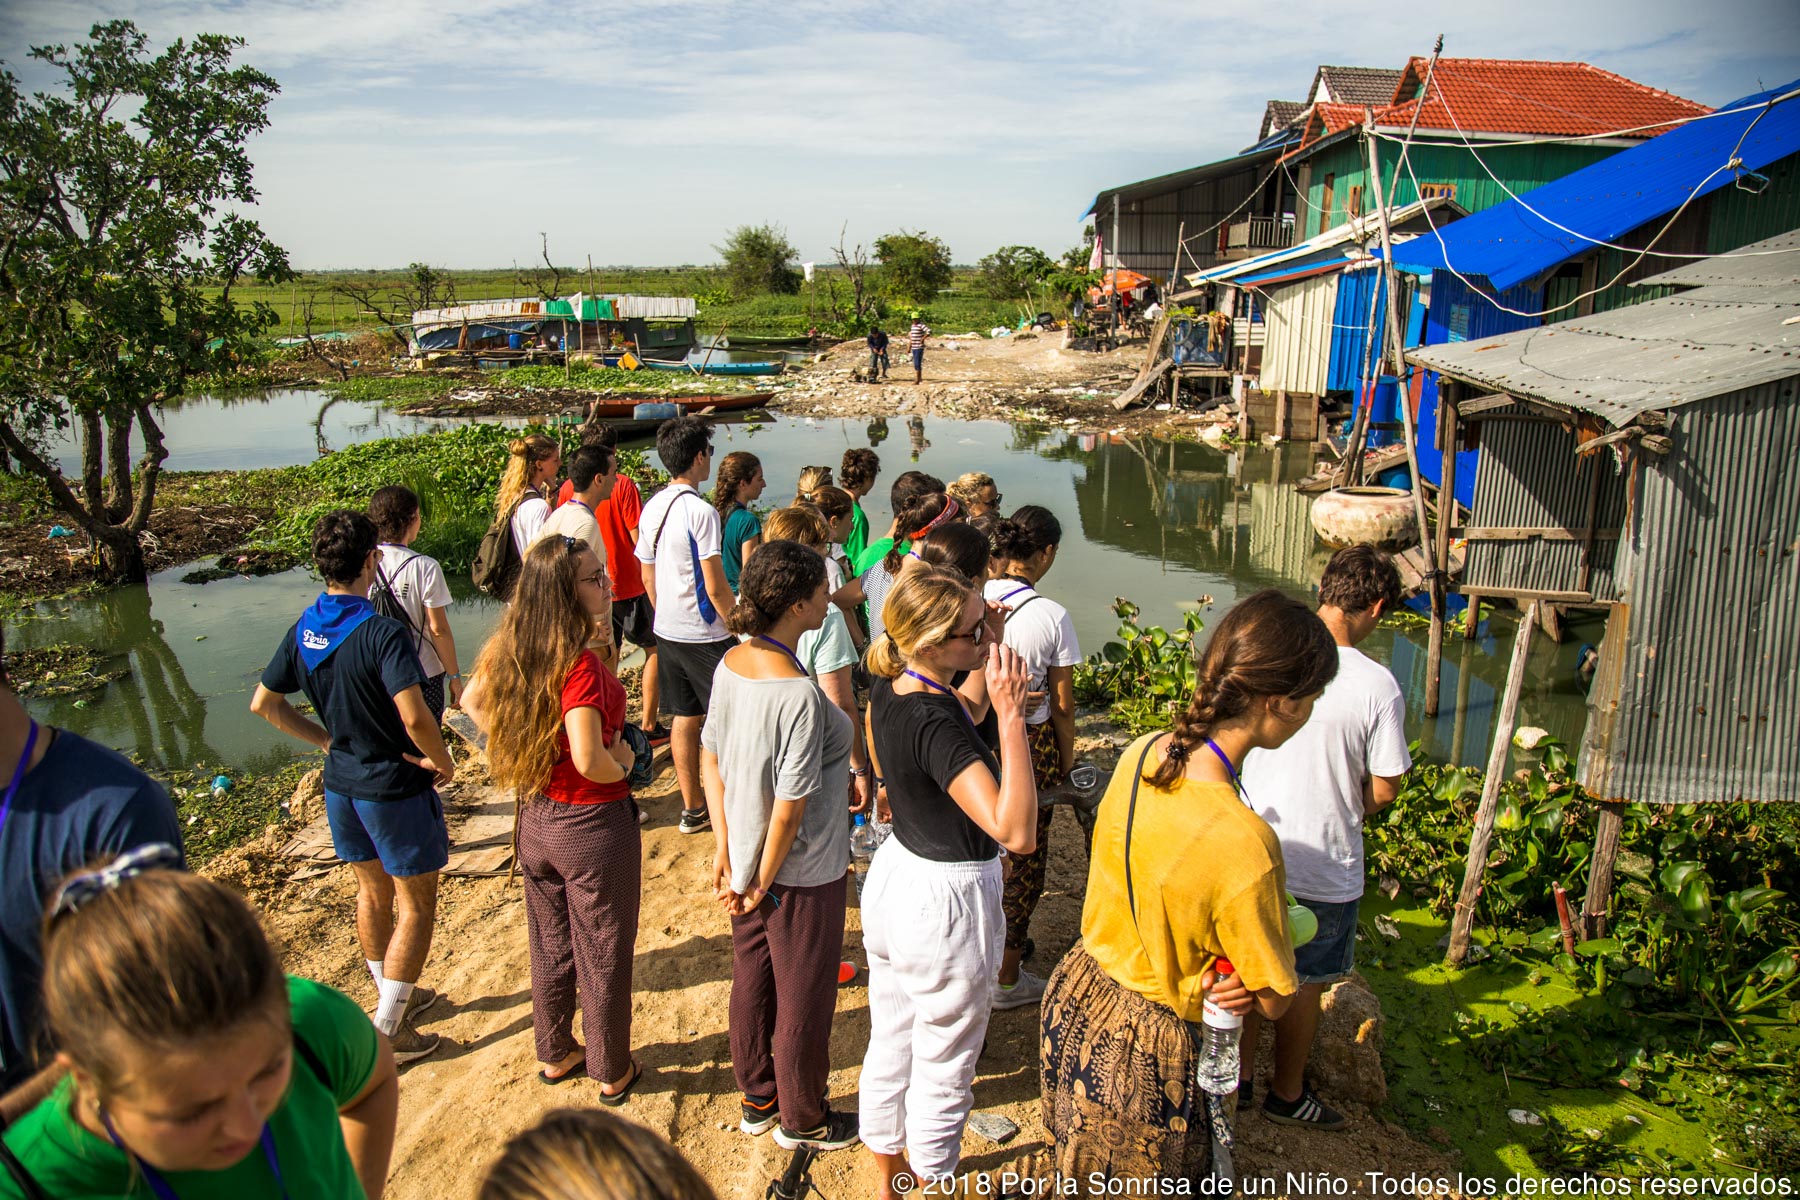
1315 791
738 484
70 802
384 759
915 345
878 354
562 752
685 578
418 587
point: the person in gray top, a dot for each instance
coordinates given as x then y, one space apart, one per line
775 765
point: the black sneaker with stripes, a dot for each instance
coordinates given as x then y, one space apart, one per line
1308 1111
759 1115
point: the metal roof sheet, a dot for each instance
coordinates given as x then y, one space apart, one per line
1610 198
1772 262
1176 180
1362 229
1660 354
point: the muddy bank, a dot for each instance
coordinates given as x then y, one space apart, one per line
460 1105
34 563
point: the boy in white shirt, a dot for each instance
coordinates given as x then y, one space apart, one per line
1344 765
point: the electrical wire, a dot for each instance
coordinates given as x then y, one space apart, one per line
1570 139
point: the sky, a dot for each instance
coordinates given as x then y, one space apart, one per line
456 132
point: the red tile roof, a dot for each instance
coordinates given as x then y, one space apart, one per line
1543 99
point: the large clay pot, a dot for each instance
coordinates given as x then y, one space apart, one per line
1382 517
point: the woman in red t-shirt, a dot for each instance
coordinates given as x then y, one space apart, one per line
559 748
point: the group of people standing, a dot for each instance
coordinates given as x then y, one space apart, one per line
763 634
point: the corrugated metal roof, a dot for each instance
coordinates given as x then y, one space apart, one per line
1612 197
1707 691
1362 229
1659 354
1176 180
1749 267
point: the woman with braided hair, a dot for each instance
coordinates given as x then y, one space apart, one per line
1183 873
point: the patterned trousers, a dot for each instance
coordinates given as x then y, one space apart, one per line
1025 886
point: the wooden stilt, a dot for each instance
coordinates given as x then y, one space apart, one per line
1464 916
1446 516
1600 872
1472 618
1465 673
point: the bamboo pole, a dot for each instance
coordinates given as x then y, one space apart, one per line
1464 916
1600 872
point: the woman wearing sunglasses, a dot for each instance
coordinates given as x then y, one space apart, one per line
932 924
559 749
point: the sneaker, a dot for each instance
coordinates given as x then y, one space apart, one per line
410 1045
838 1131
1027 991
1308 1111
758 1118
694 821
421 999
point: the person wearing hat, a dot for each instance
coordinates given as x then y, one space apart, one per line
915 343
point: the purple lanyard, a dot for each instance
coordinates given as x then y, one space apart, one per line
1014 592
782 646
1237 784
934 684
161 1187
18 775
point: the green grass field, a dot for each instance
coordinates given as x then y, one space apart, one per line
959 309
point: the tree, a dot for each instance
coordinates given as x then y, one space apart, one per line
117 263
759 258
865 306
393 304
1011 272
917 265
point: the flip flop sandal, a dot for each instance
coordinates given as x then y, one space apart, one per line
619 1097
578 1071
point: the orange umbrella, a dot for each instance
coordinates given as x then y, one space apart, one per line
1125 279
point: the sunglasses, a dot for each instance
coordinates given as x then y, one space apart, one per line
977 635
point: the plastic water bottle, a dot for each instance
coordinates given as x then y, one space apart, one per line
862 850
1217 1070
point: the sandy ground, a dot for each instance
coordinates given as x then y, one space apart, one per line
459 1106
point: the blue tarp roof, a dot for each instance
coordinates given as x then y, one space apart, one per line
1612 197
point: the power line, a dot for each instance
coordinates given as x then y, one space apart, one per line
1611 133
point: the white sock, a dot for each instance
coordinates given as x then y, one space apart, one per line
394 995
375 971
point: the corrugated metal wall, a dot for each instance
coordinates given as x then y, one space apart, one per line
1282 541
1148 227
1349 335
1739 217
1521 165
1298 327
1709 693
1530 477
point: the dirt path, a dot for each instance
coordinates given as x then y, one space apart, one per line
459 1106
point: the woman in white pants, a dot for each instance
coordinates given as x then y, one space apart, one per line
932 924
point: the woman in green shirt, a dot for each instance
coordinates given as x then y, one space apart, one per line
740 481
856 475
196 1070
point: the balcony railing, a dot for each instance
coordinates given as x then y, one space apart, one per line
1258 235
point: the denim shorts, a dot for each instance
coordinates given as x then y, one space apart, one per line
1332 952
408 836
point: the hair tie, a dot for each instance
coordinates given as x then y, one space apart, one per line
950 510
1178 749
88 886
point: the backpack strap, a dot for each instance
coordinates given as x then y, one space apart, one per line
382 581
306 1054
656 542
1137 777
1014 610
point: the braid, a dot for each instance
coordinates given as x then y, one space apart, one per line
1217 698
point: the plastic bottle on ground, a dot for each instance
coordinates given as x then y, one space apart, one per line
1217 1068
862 850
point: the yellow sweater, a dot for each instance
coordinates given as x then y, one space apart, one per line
1209 883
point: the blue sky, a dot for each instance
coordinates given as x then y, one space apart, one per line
454 131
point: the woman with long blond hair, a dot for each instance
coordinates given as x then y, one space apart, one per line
740 481
975 491
811 480
531 463
553 714
585 1154
932 924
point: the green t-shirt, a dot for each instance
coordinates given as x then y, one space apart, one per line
876 552
858 541
70 1163
740 527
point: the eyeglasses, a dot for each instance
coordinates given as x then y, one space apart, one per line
598 578
977 635
709 448
998 497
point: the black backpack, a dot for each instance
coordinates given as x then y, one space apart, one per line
387 601
497 560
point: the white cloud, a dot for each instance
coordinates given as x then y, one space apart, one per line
454 130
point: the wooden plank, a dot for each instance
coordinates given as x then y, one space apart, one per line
1463 918
1132 394
1600 871
1610 439
1525 533
1446 512
1504 593
1482 404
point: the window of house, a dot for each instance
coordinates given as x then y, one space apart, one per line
1329 197
1428 191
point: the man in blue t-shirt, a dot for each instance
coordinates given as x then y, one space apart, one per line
67 803
384 752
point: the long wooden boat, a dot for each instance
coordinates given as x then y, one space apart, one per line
624 407
720 368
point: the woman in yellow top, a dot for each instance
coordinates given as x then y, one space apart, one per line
1203 880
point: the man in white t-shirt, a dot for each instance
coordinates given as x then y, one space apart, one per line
1344 765
592 475
679 551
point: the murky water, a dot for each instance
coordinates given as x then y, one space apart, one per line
1163 523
